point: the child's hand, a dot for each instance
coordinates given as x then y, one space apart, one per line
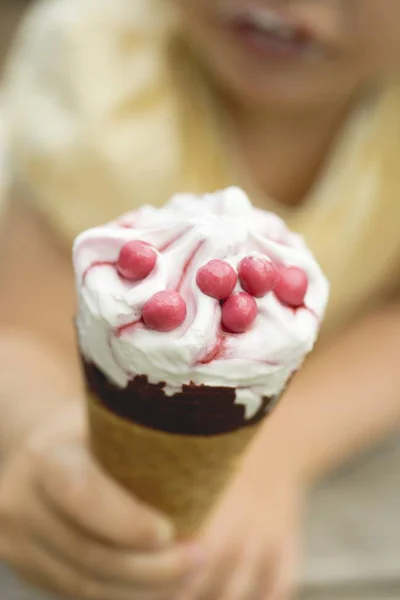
65 526
251 540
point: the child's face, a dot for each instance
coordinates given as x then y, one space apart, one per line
296 53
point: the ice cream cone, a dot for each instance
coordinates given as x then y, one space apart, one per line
181 475
192 319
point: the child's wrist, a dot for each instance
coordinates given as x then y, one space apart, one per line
275 456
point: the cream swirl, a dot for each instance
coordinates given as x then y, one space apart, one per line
187 233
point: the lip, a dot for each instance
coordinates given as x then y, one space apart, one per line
271 32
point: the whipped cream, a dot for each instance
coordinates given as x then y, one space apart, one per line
187 233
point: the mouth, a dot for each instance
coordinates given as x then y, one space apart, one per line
272 34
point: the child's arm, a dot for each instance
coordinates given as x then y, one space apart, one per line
38 354
345 398
63 524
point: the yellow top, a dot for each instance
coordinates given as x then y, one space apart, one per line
106 113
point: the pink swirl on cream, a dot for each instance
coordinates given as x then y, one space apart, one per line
124 334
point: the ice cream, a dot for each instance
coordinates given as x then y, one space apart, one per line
193 317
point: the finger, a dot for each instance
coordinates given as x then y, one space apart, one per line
281 586
167 568
211 580
164 567
77 488
47 572
247 581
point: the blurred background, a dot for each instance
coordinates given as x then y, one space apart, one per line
10 13
353 520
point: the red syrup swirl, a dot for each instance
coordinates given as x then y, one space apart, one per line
127 225
94 265
296 309
127 327
188 264
217 352
175 239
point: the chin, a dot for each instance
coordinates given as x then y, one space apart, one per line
272 89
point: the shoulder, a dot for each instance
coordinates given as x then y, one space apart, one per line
85 53
50 19
91 112
35 75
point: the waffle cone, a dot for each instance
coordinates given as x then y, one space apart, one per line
181 475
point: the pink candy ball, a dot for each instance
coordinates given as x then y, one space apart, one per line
292 287
258 276
217 279
165 311
239 312
136 260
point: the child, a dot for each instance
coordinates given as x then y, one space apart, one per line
114 104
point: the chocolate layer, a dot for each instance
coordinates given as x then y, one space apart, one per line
197 410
